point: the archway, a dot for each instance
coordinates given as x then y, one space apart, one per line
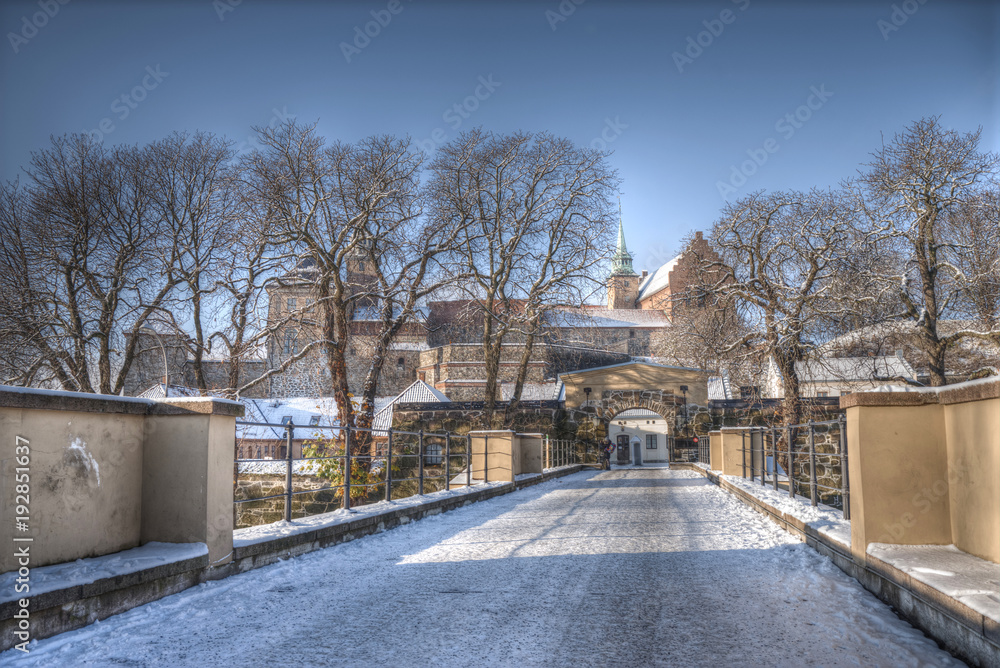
641 437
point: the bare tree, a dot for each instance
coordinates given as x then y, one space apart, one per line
193 185
924 197
323 198
83 256
777 252
535 216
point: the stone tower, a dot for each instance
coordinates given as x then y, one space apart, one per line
623 283
361 276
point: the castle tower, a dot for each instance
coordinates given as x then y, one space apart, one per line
361 275
623 283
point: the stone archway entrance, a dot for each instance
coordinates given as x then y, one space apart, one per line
605 392
642 436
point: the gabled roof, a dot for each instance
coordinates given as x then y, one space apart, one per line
658 280
418 392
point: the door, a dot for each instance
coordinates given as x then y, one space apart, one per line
622 449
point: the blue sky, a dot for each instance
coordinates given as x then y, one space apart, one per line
606 74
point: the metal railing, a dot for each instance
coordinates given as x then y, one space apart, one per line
704 453
428 457
392 463
770 447
567 452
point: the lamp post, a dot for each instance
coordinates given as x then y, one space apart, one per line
166 371
684 391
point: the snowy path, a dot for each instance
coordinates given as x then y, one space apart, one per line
630 567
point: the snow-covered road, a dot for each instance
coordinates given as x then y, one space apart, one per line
628 567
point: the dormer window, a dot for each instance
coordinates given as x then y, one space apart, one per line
313 420
286 420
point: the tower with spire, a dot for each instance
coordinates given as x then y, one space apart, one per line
623 282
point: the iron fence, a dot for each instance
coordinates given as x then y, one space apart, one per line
383 464
703 450
770 447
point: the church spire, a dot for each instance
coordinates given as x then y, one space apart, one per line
622 261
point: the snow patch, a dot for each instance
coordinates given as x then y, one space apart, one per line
85 571
78 450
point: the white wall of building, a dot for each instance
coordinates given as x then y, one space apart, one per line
649 427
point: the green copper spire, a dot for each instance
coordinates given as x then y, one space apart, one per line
622 262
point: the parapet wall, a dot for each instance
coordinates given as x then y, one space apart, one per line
923 467
105 474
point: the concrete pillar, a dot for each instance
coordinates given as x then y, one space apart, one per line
187 474
715 450
493 454
731 447
898 465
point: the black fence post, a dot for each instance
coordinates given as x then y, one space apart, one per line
790 437
388 470
763 457
468 460
774 457
347 469
845 480
420 468
813 496
288 471
743 452
486 458
447 461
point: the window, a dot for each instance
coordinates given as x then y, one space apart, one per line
401 362
291 303
313 420
433 454
626 284
822 394
631 334
361 266
291 343
650 441
286 420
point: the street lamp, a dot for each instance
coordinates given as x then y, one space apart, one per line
166 371
684 391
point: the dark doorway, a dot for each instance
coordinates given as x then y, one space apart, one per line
622 450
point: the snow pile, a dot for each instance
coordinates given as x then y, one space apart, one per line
86 571
825 519
279 466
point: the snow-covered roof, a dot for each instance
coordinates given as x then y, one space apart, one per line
620 364
719 388
533 391
606 318
160 391
854 368
301 411
658 280
418 392
638 414
409 345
